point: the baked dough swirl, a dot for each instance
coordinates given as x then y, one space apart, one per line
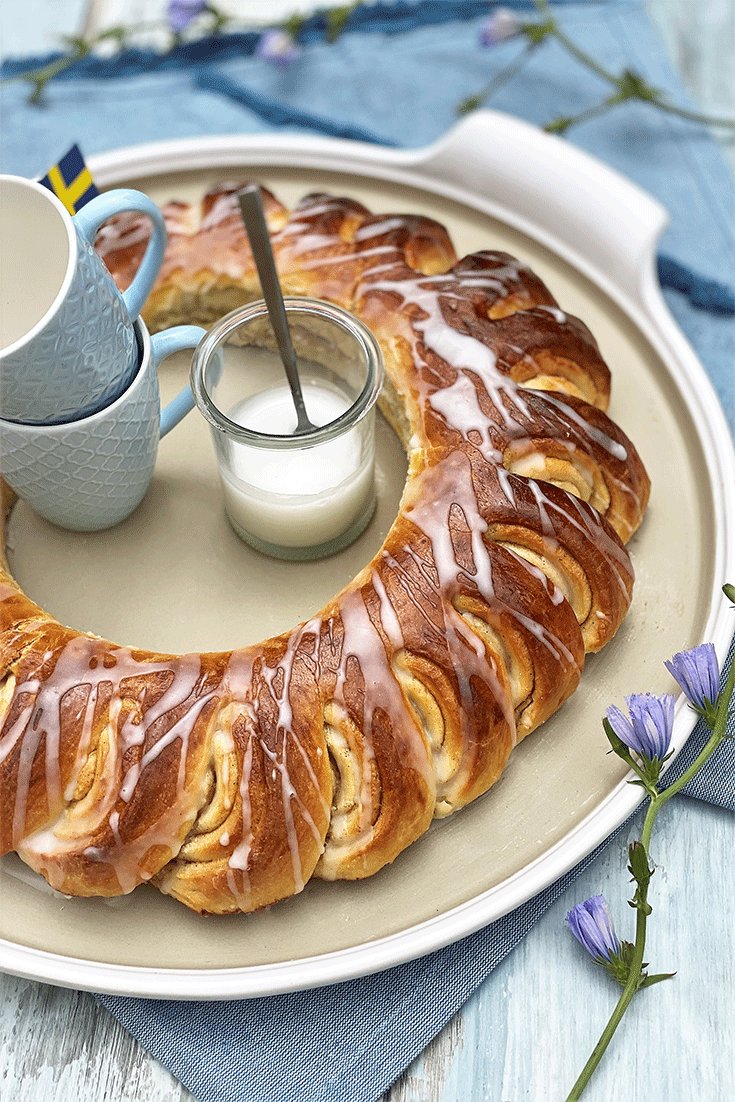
229 779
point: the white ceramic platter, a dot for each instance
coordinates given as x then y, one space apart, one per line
175 577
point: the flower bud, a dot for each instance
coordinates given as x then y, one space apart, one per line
639 866
592 925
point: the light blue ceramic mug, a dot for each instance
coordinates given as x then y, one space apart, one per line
91 473
67 341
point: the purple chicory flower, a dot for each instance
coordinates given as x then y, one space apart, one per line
649 728
180 13
499 26
592 925
698 673
278 47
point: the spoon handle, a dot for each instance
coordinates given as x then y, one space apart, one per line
251 207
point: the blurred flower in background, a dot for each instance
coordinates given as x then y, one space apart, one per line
501 25
278 47
180 13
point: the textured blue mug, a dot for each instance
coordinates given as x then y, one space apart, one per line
91 473
67 341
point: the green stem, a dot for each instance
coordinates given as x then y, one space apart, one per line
573 48
694 116
502 77
580 55
562 124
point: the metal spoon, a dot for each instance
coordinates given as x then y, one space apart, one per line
251 207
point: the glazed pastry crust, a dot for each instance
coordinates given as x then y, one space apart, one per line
229 779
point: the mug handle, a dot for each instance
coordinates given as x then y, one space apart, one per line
98 210
162 345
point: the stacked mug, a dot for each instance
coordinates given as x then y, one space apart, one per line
80 415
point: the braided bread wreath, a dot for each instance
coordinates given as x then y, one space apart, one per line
228 779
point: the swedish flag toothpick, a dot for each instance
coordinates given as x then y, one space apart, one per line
71 181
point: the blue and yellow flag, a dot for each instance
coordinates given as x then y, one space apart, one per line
71 181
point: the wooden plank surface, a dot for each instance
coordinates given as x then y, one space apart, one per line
525 1034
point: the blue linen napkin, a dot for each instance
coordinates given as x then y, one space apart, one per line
396 76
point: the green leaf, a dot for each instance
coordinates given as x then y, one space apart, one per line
337 19
294 25
633 86
617 744
469 104
648 981
559 126
639 866
538 32
76 46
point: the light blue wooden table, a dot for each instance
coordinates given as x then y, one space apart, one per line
527 1032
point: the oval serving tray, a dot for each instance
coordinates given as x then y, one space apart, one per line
175 577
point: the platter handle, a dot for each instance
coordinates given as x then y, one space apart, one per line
606 220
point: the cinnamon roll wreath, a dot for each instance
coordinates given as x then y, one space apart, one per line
228 779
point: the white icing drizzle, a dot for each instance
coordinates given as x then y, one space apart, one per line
240 857
289 793
179 730
222 208
457 403
547 528
586 429
506 485
376 229
463 491
459 406
349 258
556 313
388 618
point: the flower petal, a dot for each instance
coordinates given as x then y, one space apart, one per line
622 727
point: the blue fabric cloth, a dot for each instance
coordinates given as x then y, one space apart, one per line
396 76
344 1043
